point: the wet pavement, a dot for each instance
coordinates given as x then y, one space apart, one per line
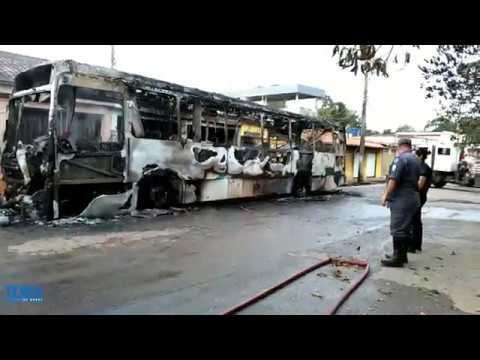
207 260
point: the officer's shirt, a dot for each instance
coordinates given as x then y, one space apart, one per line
405 169
426 171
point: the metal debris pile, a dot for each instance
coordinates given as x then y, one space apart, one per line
151 213
71 221
305 198
9 216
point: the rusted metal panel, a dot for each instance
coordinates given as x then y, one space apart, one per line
3 187
213 190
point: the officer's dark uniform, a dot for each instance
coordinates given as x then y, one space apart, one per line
404 203
417 227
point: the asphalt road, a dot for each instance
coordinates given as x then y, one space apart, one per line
213 257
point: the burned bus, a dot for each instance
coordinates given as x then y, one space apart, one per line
92 141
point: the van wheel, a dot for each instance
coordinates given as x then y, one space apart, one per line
439 184
438 180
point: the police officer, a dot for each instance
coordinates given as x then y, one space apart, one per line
402 197
424 183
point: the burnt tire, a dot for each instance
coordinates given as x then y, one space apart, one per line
157 190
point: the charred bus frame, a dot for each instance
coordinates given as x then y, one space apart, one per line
96 141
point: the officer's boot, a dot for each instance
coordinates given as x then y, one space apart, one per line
395 249
399 256
410 240
395 246
403 250
411 248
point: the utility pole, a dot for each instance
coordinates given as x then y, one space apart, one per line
361 175
112 57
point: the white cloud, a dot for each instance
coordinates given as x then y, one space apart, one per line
392 102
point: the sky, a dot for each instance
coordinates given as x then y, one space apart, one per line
392 102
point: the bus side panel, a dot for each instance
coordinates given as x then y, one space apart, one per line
235 188
324 183
323 164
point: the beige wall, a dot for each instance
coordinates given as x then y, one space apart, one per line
388 156
379 164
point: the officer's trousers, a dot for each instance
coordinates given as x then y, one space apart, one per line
417 228
402 211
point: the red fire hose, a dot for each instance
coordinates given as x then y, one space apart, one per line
256 298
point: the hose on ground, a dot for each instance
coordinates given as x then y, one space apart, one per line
263 294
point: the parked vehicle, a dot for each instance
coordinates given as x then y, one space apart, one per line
450 159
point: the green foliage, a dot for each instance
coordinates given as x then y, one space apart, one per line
405 128
387 132
452 76
470 127
339 113
441 123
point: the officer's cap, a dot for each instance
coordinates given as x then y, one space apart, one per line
405 141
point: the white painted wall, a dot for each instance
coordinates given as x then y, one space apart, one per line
371 161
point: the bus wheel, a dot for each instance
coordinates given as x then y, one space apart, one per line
156 190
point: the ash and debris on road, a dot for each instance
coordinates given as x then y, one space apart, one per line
291 199
14 215
9 216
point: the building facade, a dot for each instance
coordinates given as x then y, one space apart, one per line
378 158
10 65
295 98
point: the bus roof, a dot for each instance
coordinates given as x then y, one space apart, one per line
146 83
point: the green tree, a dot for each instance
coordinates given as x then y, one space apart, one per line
441 123
405 128
387 132
452 76
338 112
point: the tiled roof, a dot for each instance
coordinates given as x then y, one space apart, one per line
11 64
355 141
319 136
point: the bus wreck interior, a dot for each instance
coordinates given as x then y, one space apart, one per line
95 142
